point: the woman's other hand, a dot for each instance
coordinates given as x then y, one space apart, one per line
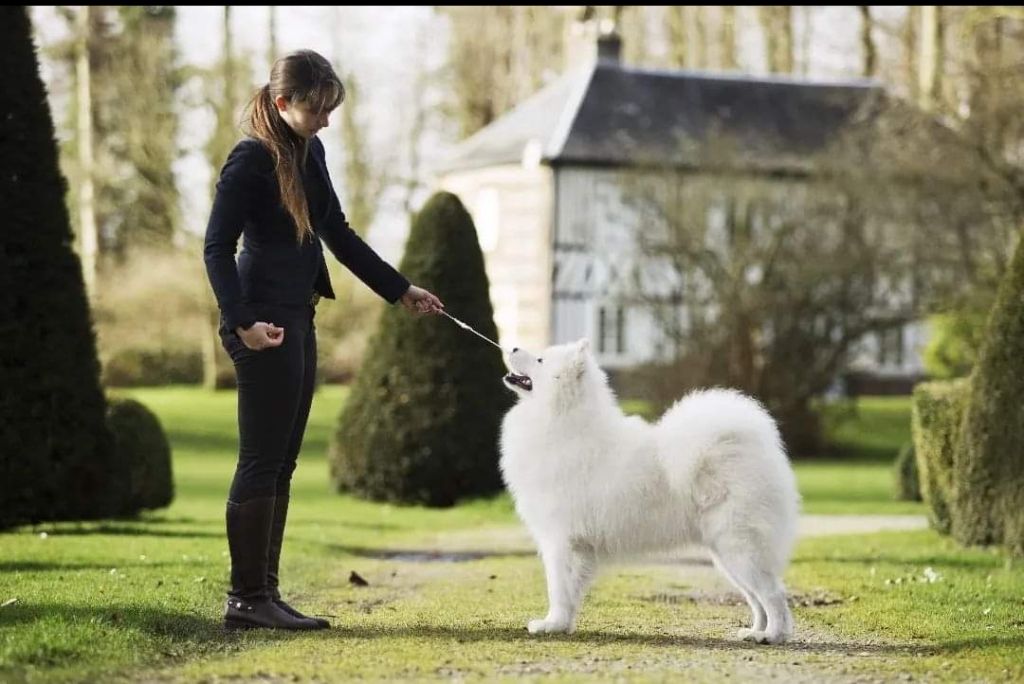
261 336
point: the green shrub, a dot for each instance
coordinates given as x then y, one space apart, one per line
908 486
143 454
150 367
421 423
935 419
989 498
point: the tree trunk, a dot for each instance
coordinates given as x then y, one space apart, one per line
675 22
806 39
869 52
699 36
910 27
272 31
927 66
777 24
730 62
218 149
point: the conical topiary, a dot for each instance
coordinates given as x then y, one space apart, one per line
988 494
56 460
421 422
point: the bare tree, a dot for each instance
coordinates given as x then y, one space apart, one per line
807 38
364 182
675 23
687 35
911 25
271 35
773 281
869 52
930 56
727 38
143 127
698 24
490 70
630 22
777 25
223 97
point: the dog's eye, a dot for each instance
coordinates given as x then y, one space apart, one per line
540 360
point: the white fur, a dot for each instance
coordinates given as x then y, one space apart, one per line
592 484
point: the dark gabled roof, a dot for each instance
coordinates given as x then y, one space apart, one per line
608 114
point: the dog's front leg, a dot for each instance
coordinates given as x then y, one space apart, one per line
569 571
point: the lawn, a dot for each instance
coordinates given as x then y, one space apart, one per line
140 599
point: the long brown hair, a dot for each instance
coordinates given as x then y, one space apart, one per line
303 77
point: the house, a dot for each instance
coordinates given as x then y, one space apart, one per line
544 184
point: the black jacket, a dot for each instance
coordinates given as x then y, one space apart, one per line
272 267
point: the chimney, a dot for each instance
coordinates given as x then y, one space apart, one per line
609 48
588 40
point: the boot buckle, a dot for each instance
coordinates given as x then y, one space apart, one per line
238 605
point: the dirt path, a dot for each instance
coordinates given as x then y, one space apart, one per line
815 655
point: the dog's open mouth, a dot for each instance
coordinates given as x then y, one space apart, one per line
521 381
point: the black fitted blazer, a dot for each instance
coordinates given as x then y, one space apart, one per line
272 267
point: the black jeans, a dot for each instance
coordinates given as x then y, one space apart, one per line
275 390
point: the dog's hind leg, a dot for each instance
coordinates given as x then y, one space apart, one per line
569 570
758 615
767 590
770 592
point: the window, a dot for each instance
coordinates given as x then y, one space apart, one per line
611 330
890 347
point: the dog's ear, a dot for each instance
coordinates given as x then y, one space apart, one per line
579 357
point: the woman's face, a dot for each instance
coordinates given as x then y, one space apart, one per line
302 119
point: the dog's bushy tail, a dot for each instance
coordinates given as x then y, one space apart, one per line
707 427
714 417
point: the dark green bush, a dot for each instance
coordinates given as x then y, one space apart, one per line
55 451
908 485
148 367
143 454
421 423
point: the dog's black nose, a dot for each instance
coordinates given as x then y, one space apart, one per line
515 349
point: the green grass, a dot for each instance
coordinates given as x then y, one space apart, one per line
868 428
141 599
957 614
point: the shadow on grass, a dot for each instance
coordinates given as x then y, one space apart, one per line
57 566
299 519
198 631
600 638
1016 641
427 555
142 529
979 563
182 636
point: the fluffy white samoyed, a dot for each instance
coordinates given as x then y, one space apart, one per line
592 484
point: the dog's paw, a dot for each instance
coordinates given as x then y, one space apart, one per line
755 635
549 627
761 637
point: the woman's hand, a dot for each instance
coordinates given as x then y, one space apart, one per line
418 300
261 336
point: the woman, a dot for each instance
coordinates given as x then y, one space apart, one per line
275 189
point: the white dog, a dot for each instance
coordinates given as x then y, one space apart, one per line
592 484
